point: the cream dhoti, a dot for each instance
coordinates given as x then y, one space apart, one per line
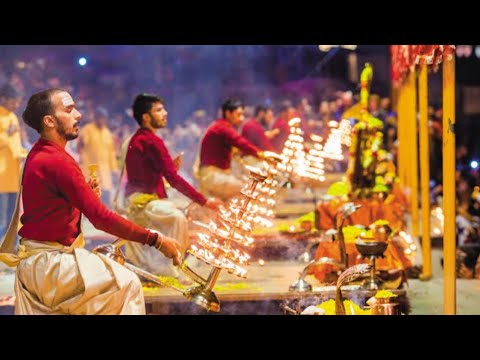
219 183
158 214
53 279
240 170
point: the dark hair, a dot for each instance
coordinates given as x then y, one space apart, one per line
9 91
38 106
142 104
100 112
285 105
260 108
231 105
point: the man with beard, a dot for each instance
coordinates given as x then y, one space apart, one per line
55 275
147 163
256 129
286 113
214 172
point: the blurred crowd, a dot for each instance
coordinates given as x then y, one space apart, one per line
113 90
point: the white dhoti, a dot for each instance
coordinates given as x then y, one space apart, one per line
163 216
53 279
239 169
219 183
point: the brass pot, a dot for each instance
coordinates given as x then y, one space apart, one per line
385 306
370 247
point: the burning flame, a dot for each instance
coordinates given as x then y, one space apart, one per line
295 159
218 247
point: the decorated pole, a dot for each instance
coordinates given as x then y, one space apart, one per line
401 135
413 150
449 273
424 173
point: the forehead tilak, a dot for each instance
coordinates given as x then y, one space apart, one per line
66 99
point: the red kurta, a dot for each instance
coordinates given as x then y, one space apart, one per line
217 143
279 140
55 194
148 162
255 133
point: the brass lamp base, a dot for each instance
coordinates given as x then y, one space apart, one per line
203 297
371 284
300 285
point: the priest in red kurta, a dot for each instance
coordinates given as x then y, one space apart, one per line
148 163
255 129
287 112
55 275
214 173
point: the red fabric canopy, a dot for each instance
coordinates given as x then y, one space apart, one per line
406 57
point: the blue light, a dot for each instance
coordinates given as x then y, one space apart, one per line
82 61
474 164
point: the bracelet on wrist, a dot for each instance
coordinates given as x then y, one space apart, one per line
158 247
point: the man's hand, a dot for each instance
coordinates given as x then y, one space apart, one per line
95 185
270 134
178 161
214 204
170 247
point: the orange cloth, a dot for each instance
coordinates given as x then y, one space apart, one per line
392 210
394 258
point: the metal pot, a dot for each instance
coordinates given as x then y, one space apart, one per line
384 306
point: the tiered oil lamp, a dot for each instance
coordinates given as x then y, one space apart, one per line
345 130
293 153
295 161
315 169
333 145
266 191
219 248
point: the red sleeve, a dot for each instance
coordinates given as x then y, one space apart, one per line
263 141
257 137
279 140
237 140
266 143
247 133
162 157
72 184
